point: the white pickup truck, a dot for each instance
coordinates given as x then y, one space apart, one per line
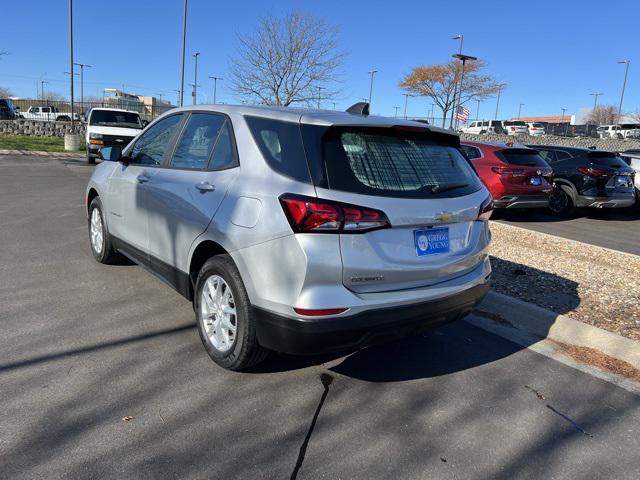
48 114
107 127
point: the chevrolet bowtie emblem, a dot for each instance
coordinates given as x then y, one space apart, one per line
444 216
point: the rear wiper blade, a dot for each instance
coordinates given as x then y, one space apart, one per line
447 186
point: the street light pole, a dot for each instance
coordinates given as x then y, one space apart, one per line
562 121
82 65
406 99
455 86
433 120
42 82
624 84
593 114
319 89
498 101
195 79
520 110
215 87
184 44
372 73
395 114
464 59
334 105
477 109
71 57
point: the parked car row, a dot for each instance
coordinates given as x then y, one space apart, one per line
508 127
626 130
560 178
517 127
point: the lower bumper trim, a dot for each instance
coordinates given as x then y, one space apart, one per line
317 336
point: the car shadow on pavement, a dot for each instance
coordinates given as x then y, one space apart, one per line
543 216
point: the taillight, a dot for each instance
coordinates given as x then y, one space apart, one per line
486 209
314 215
515 172
319 312
593 172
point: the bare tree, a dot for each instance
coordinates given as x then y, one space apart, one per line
5 92
439 82
603 115
286 60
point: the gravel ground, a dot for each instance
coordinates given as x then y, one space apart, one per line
587 283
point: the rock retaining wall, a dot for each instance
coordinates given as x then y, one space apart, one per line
40 128
610 144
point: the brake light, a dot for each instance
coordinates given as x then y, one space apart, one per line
314 215
515 172
486 209
593 172
319 312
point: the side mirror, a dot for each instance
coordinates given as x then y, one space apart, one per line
112 154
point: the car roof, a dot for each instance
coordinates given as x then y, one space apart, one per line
313 116
114 109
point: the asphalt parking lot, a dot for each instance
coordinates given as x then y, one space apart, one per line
102 375
618 229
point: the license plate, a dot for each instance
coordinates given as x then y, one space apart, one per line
431 241
537 181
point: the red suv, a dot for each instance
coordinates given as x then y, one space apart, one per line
516 176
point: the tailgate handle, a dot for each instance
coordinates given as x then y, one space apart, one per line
205 187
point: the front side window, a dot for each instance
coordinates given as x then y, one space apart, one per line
384 162
151 147
197 141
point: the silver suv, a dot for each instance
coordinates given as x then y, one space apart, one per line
300 231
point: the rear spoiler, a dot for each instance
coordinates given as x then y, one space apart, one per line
360 108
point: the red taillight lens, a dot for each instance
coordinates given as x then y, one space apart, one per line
486 209
319 312
593 172
516 172
313 215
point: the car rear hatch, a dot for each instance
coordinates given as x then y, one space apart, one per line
523 171
427 191
607 174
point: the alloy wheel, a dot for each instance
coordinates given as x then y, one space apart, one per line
97 237
218 313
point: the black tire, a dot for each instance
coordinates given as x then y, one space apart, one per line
107 253
90 158
561 201
245 351
64 118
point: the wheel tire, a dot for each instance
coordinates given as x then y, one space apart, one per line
106 254
244 350
561 201
91 160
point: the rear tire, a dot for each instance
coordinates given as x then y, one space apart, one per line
561 201
229 338
99 238
91 160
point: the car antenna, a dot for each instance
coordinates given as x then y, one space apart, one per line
360 108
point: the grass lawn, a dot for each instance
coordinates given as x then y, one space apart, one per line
26 142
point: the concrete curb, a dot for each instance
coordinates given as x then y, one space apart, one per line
36 153
529 325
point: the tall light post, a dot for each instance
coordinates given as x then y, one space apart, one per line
463 58
500 87
319 90
406 99
593 114
372 73
478 108
334 105
184 44
82 65
159 96
71 57
624 84
395 110
195 79
433 120
520 110
42 82
215 86
562 120
178 97
455 86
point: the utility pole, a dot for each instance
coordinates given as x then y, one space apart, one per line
520 110
334 105
593 114
406 99
82 65
71 57
195 79
184 44
372 73
395 115
562 121
42 82
624 84
319 89
215 87
478 108
498 100
433 120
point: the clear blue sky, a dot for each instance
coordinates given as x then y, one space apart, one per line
551 54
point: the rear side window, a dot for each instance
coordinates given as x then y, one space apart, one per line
384 162
281 146
197 142
521 156
549 156
470 152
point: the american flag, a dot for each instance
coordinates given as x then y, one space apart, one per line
462 114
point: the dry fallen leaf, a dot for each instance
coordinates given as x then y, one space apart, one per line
128 418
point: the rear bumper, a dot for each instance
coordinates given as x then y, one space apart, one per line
336 334
615 201
522 201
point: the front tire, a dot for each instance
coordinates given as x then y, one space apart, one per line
226 323
561 201
99 237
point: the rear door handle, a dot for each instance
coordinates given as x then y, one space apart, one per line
205 187
142 178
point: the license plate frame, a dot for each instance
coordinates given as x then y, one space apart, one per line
431 241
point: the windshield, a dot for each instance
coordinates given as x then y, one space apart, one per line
109 118
384 162
522 156
606 159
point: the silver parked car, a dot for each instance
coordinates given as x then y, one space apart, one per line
300 231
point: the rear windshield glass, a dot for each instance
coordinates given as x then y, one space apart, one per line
537 125
109 118
515 124
521 157
381 161
606 158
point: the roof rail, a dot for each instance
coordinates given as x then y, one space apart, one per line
360 108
